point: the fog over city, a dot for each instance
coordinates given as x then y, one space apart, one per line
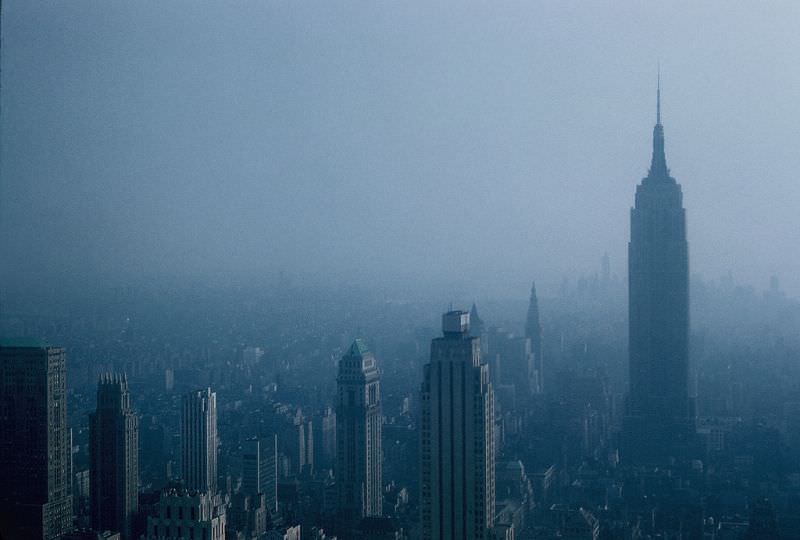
394 144
344 270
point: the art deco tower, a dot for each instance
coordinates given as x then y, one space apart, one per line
358 435
199 441
457 437
658 417
114 454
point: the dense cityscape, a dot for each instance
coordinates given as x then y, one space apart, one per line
292 412
318 271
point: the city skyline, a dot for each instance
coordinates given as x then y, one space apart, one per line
316 271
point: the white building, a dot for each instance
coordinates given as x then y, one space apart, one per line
199 441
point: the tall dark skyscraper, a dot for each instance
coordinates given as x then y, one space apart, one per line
658 416
358 425
35 488
457 489
114 454
533 331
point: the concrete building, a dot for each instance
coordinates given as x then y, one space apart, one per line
457 489
188 515
260 470
114 457
36 483
199 441
359 474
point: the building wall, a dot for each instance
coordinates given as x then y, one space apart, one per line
457 441
35 487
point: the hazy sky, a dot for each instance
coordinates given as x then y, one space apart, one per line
487 143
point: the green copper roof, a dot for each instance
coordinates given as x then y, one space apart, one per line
19 342
358 348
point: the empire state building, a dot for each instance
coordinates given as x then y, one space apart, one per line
658 422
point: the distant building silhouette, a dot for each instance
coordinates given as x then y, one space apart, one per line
658 419
533 331
199 441
114 458
359 474
260 469
477 328
35 483
457 488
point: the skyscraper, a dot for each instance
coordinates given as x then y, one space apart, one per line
260 469
35 484
533 331
658 417
457 437
199 440
358 435
114 455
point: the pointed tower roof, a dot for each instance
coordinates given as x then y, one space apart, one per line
476 325
532 325
658 163
358 348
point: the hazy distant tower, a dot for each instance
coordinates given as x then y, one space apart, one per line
533 331
114 455
658 417
477 328
199 440
35 483
358 434
457 437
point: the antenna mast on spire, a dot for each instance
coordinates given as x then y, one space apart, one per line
658 96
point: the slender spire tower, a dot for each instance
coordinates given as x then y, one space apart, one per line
533 331
658 163
658 422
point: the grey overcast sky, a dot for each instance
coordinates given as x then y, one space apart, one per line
391 142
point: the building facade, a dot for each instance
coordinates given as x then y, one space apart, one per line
188 515
199 441
658 421
114 458
35 484
358 438
457 488
260 469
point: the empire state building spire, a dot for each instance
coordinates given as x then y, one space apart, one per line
658 164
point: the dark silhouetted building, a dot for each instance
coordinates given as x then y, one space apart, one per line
658 417
114 455
457 437
35 484
358 425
